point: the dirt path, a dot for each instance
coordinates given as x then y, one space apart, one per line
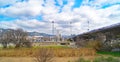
29 59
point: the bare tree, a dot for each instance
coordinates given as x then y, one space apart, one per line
21 38
44 55
6 38
18 37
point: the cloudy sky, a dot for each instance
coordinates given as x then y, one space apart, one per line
37 15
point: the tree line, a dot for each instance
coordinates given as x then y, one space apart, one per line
18 37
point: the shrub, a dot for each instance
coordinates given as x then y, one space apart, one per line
94 44
44 55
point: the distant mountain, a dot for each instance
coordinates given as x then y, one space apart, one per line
38 34
29 33
112 30
4 30
104 29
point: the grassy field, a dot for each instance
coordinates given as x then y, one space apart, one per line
58 51
61 54
115 54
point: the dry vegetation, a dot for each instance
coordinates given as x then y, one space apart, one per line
57 52
30 59
44 55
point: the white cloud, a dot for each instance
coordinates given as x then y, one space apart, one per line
6 2
31 25
23 10
26 12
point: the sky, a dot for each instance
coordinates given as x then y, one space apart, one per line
69 16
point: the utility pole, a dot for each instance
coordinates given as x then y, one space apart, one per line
52 27
88 26
53 39
58 35
70 28
71 31
71 36
88 29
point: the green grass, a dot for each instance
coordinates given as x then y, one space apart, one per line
107 59
82 60
116 54
100 59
